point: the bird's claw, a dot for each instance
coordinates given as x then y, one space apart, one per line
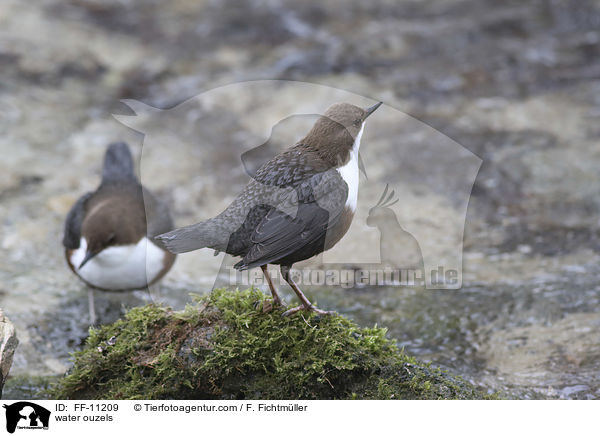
268 305
309 308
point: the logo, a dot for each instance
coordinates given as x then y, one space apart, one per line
409 212
26 415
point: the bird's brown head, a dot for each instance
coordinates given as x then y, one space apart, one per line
338 131
111 225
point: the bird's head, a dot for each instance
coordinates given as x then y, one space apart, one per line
109 227
338 132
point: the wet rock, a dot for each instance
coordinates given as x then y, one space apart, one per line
564 354
8 345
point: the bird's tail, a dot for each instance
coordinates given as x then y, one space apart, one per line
190 238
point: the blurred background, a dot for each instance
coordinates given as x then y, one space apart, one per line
517 83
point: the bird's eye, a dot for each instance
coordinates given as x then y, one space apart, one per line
356 123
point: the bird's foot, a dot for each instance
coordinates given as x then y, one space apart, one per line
268 305
92 308
308 308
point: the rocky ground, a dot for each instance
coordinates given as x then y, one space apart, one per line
511 86
228 346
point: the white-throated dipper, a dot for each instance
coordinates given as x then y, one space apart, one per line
109 233
299 203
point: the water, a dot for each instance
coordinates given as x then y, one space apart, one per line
536 340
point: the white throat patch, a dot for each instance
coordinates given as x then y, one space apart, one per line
349 172
120 267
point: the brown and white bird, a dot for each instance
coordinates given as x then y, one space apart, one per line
299 203
109 233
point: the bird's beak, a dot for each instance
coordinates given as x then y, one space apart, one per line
372 109
89 255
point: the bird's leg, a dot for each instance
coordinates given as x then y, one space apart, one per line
306 305
91 306
277 301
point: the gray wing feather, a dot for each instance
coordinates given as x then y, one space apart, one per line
320 201
73 222
158 217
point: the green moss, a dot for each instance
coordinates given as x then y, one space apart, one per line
223 347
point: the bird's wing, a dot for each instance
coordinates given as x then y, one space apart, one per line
157 214
73 222
320 200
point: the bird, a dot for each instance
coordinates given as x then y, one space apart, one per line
109 233
297 205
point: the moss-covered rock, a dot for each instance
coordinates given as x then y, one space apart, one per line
225 347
